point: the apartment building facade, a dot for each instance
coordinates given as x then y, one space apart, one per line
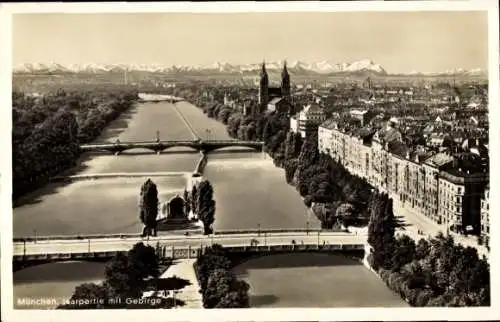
307 120
432 185
485 218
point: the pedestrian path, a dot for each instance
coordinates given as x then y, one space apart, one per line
189 295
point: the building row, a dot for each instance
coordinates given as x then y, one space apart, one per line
449 189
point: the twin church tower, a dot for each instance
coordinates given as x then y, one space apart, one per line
266 93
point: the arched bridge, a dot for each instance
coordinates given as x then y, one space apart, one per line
29 252
146 97
159 146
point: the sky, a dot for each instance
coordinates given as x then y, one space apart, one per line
399 41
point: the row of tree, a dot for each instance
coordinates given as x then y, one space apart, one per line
218 285
434 272
47 130
127 277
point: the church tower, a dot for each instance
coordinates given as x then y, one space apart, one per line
264 88
285 83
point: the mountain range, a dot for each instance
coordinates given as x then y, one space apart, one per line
364 66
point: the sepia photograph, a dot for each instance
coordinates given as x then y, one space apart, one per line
213 160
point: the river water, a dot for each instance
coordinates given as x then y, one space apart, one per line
249 192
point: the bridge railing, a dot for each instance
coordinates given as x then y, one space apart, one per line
73 237
168 142
181 252
253 231
271 231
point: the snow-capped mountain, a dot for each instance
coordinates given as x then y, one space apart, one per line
40 67
294 67
454 71
470 72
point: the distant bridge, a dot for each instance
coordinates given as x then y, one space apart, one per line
159 146
145 97
32 252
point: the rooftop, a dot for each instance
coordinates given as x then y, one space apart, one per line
438 160
358 112
312 108
275 100
329 124
398 148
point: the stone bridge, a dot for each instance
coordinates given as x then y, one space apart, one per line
159 146
28 252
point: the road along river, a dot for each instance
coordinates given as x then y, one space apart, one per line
249 191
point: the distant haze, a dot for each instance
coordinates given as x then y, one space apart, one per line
399 41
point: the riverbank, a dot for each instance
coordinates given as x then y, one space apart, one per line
51 146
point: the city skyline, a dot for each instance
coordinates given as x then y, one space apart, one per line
146 38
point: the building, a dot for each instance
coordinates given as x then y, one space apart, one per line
443 187
267 93
326 135
485 216
362 116
307 120
280 105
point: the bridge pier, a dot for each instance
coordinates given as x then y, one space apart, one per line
117 152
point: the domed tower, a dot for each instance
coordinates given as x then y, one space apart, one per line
285 83
264 87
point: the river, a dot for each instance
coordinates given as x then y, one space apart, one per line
249 192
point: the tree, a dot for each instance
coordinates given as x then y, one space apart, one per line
187 203
194 199
309 153
47 130
145 260
381 230
237 297
290 168
214 257
88 296
223 290
345 212
206 205
122 278
422 249
218 284
233 124
325 212
293 144
404 252
148 207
